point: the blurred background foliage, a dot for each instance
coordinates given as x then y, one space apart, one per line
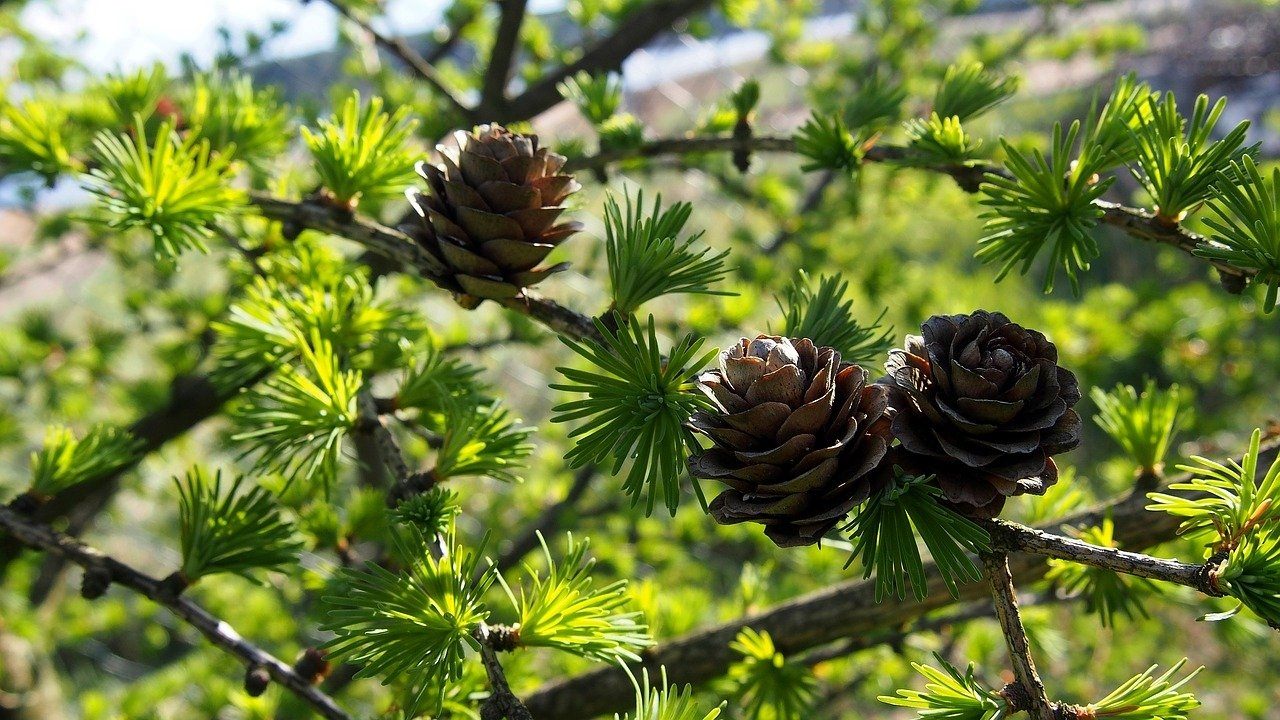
93 330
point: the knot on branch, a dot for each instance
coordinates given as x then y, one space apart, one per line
312 665
256 680
95 582
503 638
27 503
1019 700
172 586
1208 574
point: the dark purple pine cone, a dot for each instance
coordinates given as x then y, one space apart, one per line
796 436
492 209
981 402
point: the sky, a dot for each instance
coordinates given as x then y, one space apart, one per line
122 34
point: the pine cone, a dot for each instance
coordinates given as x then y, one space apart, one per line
491 210
796 436
982 403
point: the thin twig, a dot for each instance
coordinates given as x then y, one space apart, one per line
1032 695
401 249
1012 536
969 176
216 630
409 57
607 54
493 91
502 703
546 523
833 613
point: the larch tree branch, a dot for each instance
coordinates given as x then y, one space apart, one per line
506 43
843 610
969 176
410 57
1030 689
104 568
633 32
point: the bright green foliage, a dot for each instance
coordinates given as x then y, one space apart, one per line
362 152
481 441
668 703
135 94
226 111
1143 424
432 377
745 98
1247 229
430 512
31 137
231 532
828 144
1112 132
1251 574
968 90
309 292
1044 203
949 695
1145 697
295 421
560 609
826 317
1233 504
597 97
64 462
1178 162
883 533
766 686
413 625
941 139
877 103
648 260
173 188
621 131
1107 593
635 408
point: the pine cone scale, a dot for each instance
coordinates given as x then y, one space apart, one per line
491 211
796 435
981 403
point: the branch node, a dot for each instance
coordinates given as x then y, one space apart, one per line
256 680
95 582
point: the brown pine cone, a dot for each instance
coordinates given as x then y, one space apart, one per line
796 435
981 402
491 210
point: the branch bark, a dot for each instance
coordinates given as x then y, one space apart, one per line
409 57
1135 222
401 249
493 92
216 630
607 54
1035 700
842 610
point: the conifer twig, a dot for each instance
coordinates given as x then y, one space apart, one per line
1030 691
409 57
969 176
217 631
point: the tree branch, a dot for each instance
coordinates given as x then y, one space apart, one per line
969 176
502 703
192 399
1012 536
842 610
217 631
1004 595
402 249
506 40
607 54
409 57
546 523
